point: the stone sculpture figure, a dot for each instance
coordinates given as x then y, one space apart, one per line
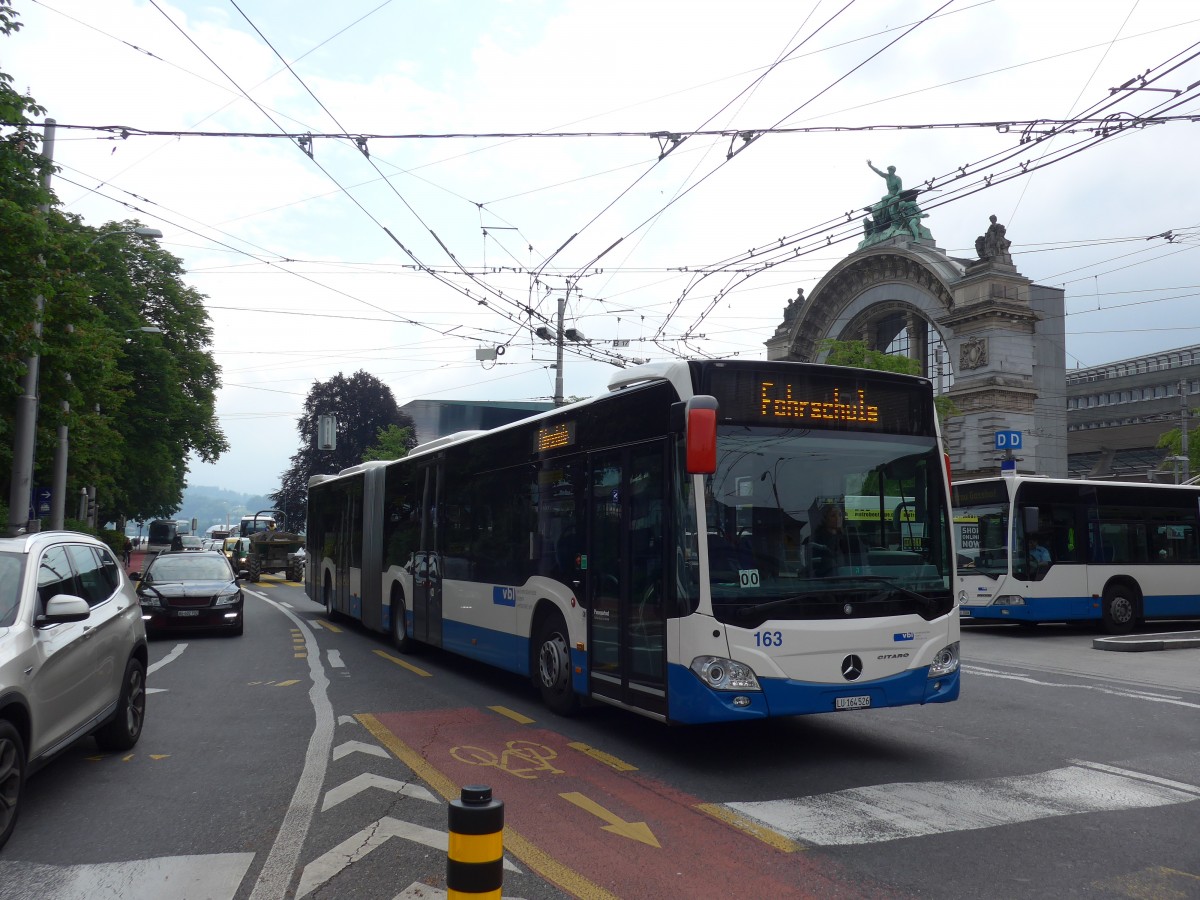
992 244
793 306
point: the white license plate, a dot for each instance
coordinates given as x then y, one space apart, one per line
187 612
852 702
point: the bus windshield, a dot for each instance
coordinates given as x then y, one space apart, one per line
983 538
804 524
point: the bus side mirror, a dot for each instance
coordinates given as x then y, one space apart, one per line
700 430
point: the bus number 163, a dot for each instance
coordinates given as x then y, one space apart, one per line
768 638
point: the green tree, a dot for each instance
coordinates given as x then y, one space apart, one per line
1172 441
857 355
392 442
135 409
363 406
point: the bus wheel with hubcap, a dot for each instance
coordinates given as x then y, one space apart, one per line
400 637
1119 609
12 777
554 666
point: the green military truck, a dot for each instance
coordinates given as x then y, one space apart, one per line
273 549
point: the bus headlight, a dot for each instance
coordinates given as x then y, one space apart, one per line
722 674
1009 600
945 662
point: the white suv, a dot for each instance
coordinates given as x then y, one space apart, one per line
72 655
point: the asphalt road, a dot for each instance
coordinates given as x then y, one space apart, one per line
310 759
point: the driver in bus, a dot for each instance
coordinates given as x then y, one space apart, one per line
842 548
1039 554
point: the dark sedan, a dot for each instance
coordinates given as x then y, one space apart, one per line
192 590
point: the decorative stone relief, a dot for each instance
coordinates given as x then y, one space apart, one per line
973 354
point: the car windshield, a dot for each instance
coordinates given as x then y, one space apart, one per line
10 588
188 568
800 523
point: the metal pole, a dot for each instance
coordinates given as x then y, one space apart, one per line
558 376
25 421
58 492
1183 429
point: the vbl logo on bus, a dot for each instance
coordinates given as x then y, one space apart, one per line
504 596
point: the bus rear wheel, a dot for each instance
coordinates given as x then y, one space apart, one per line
327 596
400 637
553 666
1119 610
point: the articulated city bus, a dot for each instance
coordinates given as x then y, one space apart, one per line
1112 553
660 547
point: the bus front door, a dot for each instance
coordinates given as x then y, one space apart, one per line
627 622
427 567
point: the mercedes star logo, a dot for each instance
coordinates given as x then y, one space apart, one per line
851 668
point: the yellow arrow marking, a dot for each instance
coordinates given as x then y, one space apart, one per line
638 831
157 756
403 664
288 683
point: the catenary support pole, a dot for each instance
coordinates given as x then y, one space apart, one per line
25 421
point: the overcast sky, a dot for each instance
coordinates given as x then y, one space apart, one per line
303 280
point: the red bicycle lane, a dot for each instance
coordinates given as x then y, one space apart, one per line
584 822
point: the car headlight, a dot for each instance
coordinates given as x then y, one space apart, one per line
945 661
722 674
1009 600
149 599
228 598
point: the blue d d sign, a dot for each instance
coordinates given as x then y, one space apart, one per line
1008 440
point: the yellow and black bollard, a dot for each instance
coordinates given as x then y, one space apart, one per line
475 862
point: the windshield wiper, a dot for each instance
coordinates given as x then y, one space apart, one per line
927 603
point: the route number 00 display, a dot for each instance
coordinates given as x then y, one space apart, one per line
748 578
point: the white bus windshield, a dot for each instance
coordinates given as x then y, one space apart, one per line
805 524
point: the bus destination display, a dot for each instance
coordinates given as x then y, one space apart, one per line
554 437
820 399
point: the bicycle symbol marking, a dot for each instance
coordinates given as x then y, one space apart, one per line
519 758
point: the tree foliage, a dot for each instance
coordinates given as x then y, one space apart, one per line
392 442
1173 441
365 411
857 355
135 405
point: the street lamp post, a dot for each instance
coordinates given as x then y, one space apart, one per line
25 421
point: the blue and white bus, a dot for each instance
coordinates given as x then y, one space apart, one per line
653 548
1113 553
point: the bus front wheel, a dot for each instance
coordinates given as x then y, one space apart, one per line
553 666
1119 611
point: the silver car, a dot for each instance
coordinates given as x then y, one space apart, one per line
72 655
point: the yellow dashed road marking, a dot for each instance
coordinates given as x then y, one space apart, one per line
329 626
288 683
403 664
600 756
512 714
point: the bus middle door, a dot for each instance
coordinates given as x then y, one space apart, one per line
627 613
427 566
